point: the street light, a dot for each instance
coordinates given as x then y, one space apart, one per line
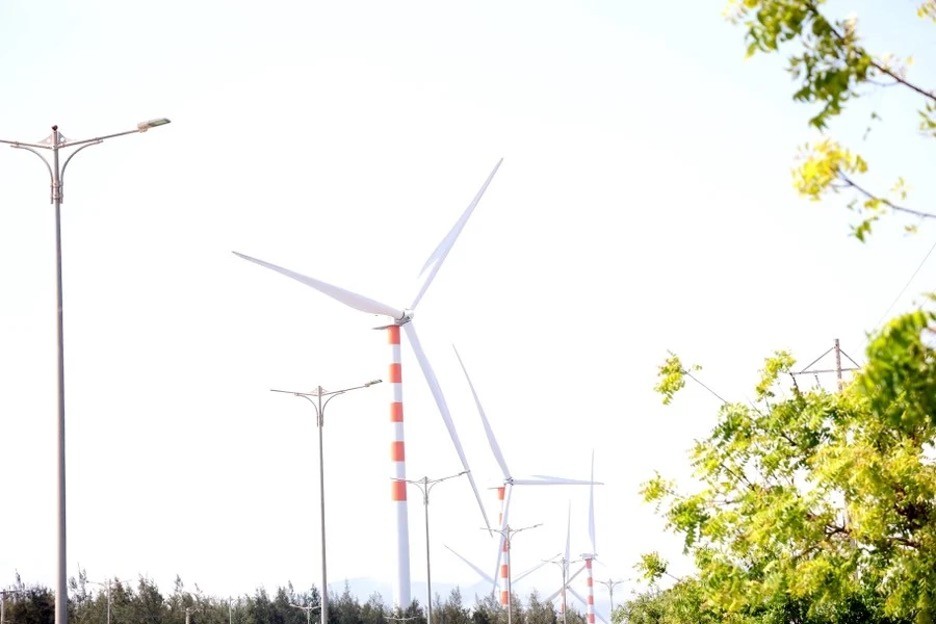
319 406
3 595
506 532
308 610
611 585
54 143
425 485
107 587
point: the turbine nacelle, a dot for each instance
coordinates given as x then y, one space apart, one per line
405 318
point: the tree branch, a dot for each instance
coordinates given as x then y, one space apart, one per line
851 184
814 9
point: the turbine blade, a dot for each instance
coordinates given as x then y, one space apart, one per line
495 447
566 586
552 596
591 506
354 300
530 571
473 566
433 382
437 257
577 572
546 480
585 602
568 528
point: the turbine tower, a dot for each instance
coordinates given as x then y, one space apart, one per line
403 318
589 557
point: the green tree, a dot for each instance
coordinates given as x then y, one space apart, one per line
538 612
820 503
346 608
30 605
374 611
831 67
452 611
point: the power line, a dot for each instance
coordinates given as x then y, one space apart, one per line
906 286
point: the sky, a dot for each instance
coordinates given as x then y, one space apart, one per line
644 205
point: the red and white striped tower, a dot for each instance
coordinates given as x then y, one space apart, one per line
401 588
590 611
505 573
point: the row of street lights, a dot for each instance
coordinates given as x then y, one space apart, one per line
54 143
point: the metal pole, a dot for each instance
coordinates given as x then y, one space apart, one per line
108 602
319 407
54 143
506 532
610 585
61 593
320 416
425 484
428 568
838 364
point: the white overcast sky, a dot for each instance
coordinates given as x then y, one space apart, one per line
644 204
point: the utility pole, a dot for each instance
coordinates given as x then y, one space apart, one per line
3 595
308 610
838 370
610 585
506 533
425 485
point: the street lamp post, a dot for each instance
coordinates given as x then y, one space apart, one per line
3 595
107 588
308 610
506 532
425 485
54 143
563 564
319 393
610 584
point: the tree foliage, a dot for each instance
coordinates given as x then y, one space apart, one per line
143 603
818 505
831 67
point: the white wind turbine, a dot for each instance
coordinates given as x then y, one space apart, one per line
504 492
588 559
403 318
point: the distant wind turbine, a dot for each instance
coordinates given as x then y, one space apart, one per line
507 489
403 317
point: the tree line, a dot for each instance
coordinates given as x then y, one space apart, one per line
143 603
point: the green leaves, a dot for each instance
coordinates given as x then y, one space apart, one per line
672 376
823 504
831 67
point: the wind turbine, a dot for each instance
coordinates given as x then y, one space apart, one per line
588 559
507 489
403 317
487 577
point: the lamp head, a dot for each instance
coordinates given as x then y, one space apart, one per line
143 126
